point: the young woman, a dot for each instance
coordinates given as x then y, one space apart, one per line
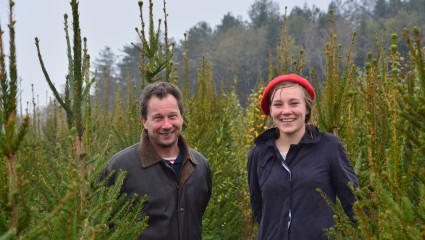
291 161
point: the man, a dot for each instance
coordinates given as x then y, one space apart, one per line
176 178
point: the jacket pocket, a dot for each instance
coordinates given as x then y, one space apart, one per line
264 170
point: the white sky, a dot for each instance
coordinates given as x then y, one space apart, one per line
105 23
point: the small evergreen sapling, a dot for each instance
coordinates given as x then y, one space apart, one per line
12 131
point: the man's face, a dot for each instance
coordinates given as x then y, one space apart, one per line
163 122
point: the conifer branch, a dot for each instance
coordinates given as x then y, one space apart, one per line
70 74
412 138
70 117
70 213
417 53
77 81
33 233
152 49
167 50
21 134
186 67
52 87
27 212
152 36
13 73
3 83
331 205
46 199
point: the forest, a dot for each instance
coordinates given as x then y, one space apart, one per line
364 58
239 50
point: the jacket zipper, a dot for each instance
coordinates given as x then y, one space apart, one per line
290 182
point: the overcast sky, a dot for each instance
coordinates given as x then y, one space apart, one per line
105 23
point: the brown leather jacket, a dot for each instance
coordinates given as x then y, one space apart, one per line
174 204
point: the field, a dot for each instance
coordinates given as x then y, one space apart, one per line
51 159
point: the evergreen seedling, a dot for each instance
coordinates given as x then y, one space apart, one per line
152 49
13 128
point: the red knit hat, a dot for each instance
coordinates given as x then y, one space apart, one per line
290 77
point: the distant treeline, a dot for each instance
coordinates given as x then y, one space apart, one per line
239 50
51 160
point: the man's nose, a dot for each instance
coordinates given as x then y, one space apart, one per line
166 123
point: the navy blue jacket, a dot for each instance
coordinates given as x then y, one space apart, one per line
284 193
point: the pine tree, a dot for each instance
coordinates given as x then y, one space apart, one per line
67 201
75 91
390 165
158 56
13 128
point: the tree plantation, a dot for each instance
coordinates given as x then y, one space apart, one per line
364 58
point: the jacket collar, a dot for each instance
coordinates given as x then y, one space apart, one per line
149 157
311 135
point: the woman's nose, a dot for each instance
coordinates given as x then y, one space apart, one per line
286 109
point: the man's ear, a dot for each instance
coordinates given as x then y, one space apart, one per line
143 121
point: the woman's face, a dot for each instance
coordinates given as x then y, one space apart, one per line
288 110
